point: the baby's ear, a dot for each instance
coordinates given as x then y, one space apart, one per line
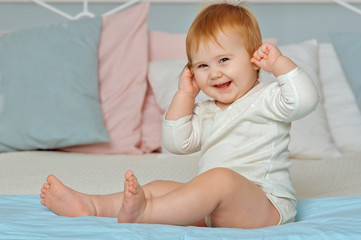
255 67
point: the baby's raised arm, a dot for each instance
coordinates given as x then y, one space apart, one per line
298 95
183 101
270 59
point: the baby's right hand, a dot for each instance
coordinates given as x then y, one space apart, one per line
187 83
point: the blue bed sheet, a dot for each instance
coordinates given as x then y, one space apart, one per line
23 217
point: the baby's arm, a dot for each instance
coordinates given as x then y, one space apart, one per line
298 95
270 59
180 133
183 101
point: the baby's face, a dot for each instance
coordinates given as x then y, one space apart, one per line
223 71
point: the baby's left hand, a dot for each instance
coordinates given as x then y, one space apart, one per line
266 56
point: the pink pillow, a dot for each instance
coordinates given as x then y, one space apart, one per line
162 46
123 63
151 124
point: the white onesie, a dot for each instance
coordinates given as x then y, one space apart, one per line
251 136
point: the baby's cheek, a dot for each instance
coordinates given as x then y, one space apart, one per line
197 78
202 84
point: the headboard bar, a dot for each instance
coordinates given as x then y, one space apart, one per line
85 12
53 9
348 6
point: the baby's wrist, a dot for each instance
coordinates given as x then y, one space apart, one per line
282 66
184 93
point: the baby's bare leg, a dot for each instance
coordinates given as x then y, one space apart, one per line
66 202
227 197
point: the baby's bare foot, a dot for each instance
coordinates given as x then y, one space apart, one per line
64 201
134 201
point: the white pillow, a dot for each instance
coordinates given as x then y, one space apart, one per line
310 136
343 114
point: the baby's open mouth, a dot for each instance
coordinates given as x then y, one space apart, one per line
223 85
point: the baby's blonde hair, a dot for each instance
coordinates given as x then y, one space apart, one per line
226 18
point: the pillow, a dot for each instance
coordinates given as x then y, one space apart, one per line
49 87
123 63
163 45
343 114
310 137
151 124
348 49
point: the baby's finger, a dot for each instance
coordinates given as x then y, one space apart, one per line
255 61
265 48
257 56
263 51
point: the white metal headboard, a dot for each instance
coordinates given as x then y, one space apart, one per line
85 12
348 6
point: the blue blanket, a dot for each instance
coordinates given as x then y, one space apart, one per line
23 217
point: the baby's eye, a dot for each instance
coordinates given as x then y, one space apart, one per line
223 60
202 65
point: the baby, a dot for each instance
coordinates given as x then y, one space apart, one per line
242 135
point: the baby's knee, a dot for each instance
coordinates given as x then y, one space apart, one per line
221 171
156 183
223 176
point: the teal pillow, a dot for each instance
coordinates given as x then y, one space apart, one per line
49 87
348 49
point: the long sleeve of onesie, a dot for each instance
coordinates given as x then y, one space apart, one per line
295 97
182 136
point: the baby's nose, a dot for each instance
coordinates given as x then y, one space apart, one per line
216 74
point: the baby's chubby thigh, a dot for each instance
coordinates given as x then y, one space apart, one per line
241 203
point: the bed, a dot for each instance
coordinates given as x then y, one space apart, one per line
72 104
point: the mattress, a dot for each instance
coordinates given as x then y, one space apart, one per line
317 219
25 172
330 177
